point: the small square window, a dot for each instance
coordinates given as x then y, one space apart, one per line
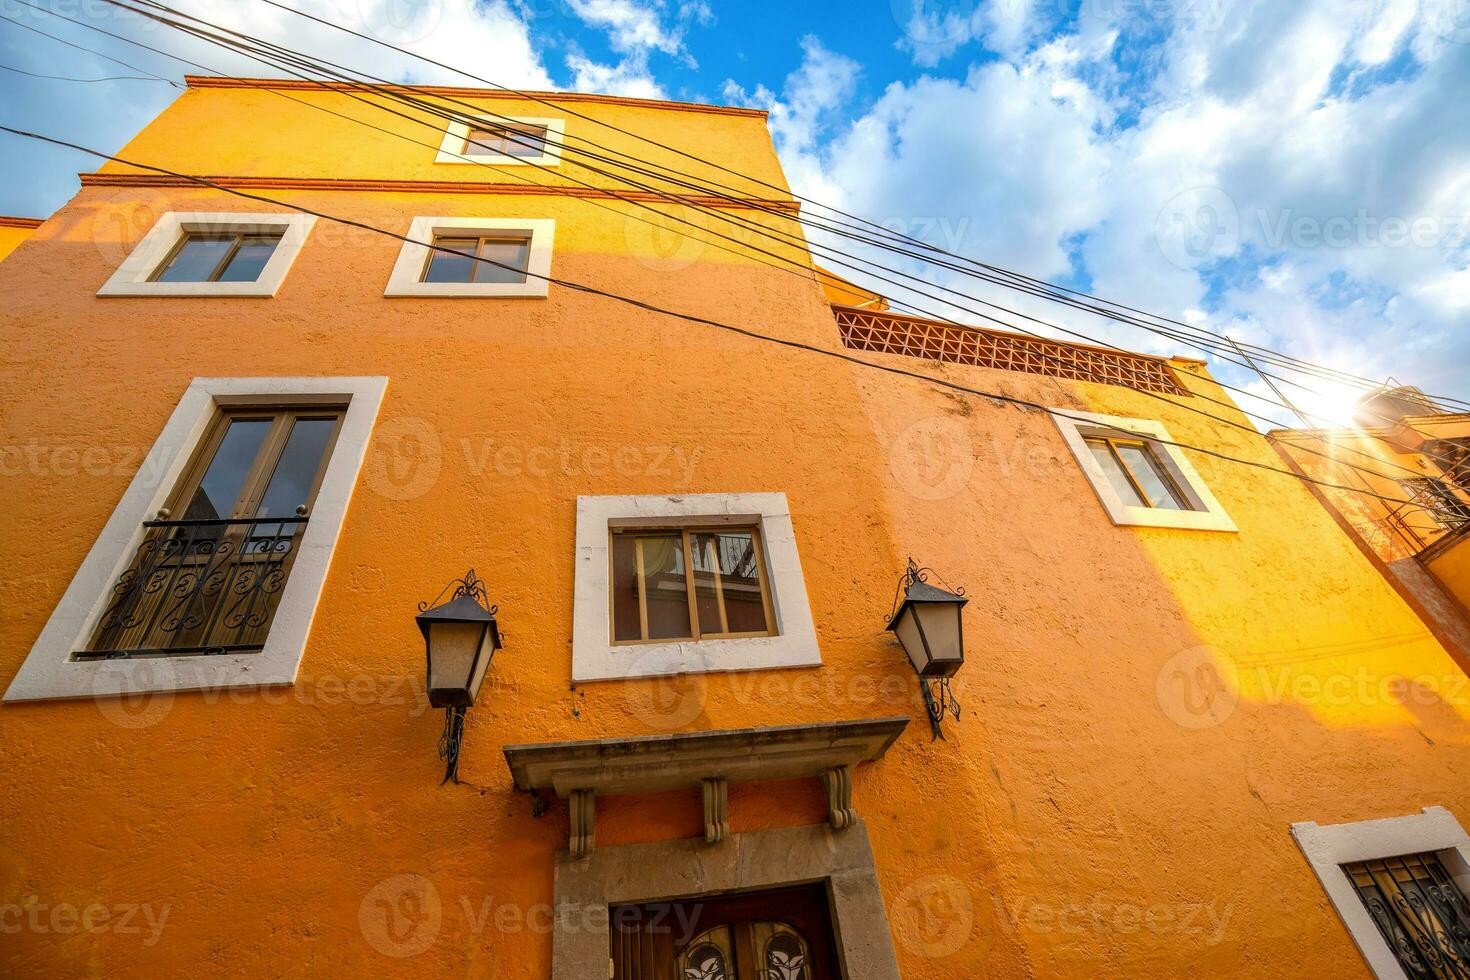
1139 475
483 259
689 584
474 257
1136 474
503 141
190 253
218 258
514 140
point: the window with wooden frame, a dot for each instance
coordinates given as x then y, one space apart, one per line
211 567
229 257
1136 473
689 583
1141 475
502 140
481 259
506 140
212 253
470 257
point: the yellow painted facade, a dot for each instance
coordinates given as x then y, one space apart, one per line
1399 484
1145 711
13 231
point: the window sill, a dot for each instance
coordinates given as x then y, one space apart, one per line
535 289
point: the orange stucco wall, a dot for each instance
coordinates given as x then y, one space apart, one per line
1097 812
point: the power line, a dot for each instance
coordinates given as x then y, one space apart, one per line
755 180
70 78
310 61
62 40
690 317
1216 346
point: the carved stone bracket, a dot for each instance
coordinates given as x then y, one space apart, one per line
716 809
838 784
584 816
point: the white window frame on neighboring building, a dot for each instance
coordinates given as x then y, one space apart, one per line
1208 514
457 135
594 654
49 671
135 276
407 276
1328 848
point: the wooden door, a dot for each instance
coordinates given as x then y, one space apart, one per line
775 935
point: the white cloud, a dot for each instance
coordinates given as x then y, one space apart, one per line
629 77
1300 170
486 37
630 25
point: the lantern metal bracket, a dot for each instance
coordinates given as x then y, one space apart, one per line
449 743
939 700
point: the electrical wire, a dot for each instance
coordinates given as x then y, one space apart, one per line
755 180
1217 349
302 59
689 317
70 78
298 58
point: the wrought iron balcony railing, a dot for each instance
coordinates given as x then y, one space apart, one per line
198 588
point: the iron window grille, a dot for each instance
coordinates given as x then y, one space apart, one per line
1421 913
208 582
1439 498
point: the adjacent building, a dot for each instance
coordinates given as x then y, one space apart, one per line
253 425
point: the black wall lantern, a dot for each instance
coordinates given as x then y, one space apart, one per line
926 620
460 638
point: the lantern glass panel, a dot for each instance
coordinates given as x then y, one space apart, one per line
907 629
452 650
941 625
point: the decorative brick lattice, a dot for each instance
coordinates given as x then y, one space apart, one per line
890 333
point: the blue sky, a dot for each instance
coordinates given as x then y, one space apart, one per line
1296 174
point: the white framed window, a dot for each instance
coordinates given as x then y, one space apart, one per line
1140 480
474 257
192 525
1373 869
503 140
196 253
688 584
